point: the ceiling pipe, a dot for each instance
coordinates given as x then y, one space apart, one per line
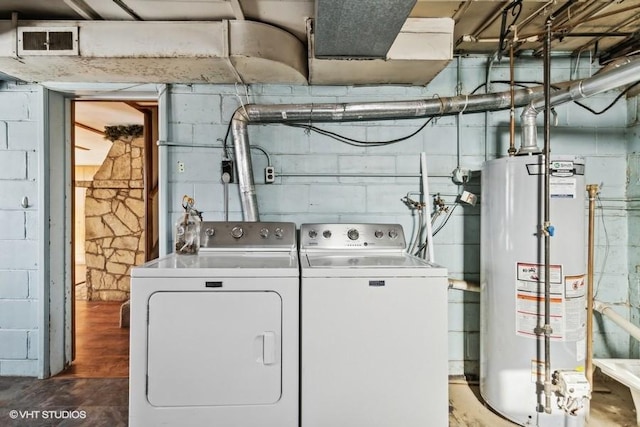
488 22
622 75
122 5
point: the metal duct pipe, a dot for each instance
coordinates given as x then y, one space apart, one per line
246 182
529 142
371 111
621 75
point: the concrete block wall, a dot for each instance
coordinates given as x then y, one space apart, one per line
633 195
18 228
199 115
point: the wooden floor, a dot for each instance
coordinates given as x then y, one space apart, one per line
102 347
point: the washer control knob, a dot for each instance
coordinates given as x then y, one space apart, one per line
210 232
264 233
353 234
279 232
237 232
326 234
378 234
313 234
393 233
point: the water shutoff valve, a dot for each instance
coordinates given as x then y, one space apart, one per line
572 389
551 230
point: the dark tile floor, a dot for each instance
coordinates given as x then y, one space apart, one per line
28 402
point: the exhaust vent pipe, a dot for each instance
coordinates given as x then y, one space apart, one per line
395 110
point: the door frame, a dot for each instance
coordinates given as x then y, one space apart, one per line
55 194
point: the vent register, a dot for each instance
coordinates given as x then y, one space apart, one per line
47 41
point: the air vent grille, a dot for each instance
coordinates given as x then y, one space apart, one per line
47 41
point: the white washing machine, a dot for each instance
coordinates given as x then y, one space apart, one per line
215 336
374 330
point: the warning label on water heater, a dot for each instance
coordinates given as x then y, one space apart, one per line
567 314
562 188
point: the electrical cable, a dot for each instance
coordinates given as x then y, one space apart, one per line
357 142
444 222
606 246
525 83
620 95
225 146
446 219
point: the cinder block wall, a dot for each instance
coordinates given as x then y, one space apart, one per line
19 106
633 195
199 114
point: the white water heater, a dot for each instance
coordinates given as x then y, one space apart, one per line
512 284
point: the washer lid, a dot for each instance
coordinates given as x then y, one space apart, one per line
351 264
351 260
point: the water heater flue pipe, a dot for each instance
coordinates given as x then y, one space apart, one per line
397 110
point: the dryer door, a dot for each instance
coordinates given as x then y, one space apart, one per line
214 348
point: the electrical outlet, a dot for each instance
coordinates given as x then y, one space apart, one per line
180 166
269 174
227 166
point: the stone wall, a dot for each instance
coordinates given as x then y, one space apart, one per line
115 218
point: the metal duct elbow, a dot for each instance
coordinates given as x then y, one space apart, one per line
242 152
529 143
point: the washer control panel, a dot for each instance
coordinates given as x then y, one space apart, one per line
347 236
247 235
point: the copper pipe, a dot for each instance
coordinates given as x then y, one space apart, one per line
592 189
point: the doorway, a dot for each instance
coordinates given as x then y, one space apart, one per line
115 217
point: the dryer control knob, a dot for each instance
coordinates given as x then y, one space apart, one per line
264 233
353 234
279 232
210 232
378 234
393 233
326 234
313 234
237 232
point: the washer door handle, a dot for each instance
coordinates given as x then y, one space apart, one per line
269 354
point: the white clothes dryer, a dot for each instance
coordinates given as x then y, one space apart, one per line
215 336
374 330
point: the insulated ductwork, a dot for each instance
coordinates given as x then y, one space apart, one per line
151 52
371 111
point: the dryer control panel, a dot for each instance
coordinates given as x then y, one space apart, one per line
220 235
352 236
